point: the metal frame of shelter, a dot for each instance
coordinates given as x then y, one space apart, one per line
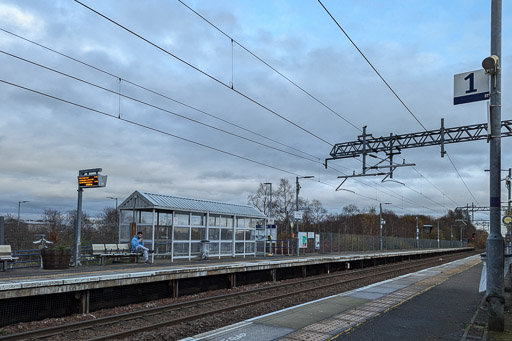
178 226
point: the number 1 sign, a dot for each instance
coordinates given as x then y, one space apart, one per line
470 87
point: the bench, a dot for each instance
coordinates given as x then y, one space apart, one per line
116 251
6 256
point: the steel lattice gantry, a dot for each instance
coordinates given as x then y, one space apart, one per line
393 144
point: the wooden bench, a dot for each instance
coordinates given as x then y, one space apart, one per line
6 256
115 251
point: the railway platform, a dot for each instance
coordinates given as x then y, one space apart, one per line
31 294
441 303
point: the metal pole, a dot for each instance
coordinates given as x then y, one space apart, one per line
417 234
438 234
2 229
78 227
19 206
380 223
297 189
507 182
495 276
19 209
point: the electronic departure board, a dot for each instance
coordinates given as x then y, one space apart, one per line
87 181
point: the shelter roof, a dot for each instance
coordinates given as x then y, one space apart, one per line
149 201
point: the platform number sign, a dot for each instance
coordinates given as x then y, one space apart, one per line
470 87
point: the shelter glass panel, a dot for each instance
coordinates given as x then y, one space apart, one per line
223 222
125 232
213 220
165 218
196 220
229 221
253 222
214 248
126 216
181 233
249 234
225 248
146 217
198 233
226 234
195 248
239 235
240 222
239 247
213 234
249 247
180 249
183 218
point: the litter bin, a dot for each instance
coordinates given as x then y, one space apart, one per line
205 249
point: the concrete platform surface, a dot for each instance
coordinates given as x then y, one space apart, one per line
432 304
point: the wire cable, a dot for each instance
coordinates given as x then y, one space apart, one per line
270 66
154 106
386 83
118 78
464 182
146 127
204 73
371 65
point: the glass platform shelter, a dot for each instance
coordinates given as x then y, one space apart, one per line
175 227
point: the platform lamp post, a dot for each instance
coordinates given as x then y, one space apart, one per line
381 221
19 209
461 228
297 189
270 213
438 244
117 216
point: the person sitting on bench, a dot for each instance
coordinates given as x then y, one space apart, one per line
138 246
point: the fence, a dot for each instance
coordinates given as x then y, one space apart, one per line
329 243
340 242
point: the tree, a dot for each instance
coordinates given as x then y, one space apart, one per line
318 212
54 225
89 233
108 228
261 199
285 203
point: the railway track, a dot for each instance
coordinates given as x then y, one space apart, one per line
128 324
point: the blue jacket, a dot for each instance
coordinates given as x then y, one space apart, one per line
135 242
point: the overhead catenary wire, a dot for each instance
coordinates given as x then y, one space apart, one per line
204 73
302 89
152 91
184 104
147 127
153 106
371 65
464 182
119 78
386 83
270 66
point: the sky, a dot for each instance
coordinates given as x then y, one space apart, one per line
168 103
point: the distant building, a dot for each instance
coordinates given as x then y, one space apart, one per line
175 226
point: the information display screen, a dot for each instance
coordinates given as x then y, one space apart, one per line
87 181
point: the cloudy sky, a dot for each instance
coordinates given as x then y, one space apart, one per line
171 104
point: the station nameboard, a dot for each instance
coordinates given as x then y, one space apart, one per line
89 181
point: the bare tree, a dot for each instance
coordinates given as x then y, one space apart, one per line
318 212
261 199
54 225
108 231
